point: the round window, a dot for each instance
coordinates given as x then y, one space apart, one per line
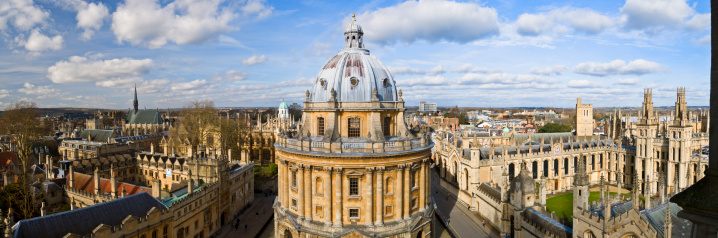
354 81
323 82
385 82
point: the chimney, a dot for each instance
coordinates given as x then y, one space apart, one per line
157 188
97 181
152 148
190 182
113 181
71 176
73 206
43 210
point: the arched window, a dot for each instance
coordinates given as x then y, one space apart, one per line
511 171
575 165
389 185
466 178
165 231
387 126
154 233
545 168
294 179
565 166
534 169
600 161
555 167
354 127
456 172
320 185
320 126
287 234
593 162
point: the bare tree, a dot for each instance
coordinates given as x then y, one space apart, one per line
197 123
21 123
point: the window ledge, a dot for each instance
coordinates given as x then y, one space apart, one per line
357 197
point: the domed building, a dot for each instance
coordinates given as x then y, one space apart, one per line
353 168
283 111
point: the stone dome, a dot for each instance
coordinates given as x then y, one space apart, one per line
523 182
353 73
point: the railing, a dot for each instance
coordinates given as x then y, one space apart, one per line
390 144
352 145
317 144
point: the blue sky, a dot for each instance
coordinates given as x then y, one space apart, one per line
79 53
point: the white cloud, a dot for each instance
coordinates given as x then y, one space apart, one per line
656 15
619 67
231 75
468 68
549 71
119 83
21 14
257 8
38 42
557 21
582 84
439 69
84 69
321 49
705 40
90 16
147 23
189 85
4 93
628 81
153 86
495 79
38 91
431 21
254 60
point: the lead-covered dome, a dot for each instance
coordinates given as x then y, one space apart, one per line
353 73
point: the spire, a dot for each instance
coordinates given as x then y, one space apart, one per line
353 35
135 103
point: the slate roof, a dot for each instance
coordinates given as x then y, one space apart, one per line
545 222
82 221
657 218
491 191
7 157
87 183
144 117
524 149
97 135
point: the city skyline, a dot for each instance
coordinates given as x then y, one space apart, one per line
255 53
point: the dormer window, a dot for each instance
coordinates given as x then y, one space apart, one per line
385 82
354 82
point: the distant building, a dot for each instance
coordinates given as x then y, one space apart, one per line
427 107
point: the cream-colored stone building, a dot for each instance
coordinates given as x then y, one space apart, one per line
584 119
353 168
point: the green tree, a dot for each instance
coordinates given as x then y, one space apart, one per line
555 127
21 123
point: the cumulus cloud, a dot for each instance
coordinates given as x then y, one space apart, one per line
320 49
83 69
705 40
153 86
4 93
468 68
439 69
147 23
581 20
431 21
619 67
90 16
254 60
21 14
479 79
628 81
231 75
38 42
582 84
549 71
38 91
656 15
189 85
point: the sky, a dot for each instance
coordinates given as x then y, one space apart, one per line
256 53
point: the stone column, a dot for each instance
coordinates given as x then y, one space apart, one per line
338 199
380 197
280 182
370 197
398 198
308 192
422 186
300 192
328 197
407 192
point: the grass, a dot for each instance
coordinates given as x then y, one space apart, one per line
563 204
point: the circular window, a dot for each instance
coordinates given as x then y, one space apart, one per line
354 81
323 82
385 82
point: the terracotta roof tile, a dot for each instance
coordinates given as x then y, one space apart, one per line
87 183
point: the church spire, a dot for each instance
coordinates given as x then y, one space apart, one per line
135 104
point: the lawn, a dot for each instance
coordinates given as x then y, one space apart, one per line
563 204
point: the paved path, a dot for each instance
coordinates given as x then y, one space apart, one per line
261 205
462 223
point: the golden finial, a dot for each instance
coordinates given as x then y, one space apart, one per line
352 15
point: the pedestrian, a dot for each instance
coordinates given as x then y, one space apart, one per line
447 222
468 207
483 223
245 227
257 215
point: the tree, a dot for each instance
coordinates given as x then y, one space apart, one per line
555 127
198 123
21 123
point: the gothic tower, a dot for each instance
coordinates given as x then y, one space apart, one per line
580 187
584 119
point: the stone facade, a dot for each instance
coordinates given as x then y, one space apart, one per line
353 168
584 119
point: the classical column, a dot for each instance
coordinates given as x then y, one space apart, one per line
407 192
288 183
398 198
300 191
338 199
380 196
308 192
280 182
370 197
422 186
328 197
